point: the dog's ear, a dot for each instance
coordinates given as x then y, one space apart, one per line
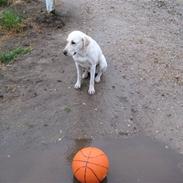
85 41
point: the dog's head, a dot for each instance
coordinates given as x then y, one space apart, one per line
76 42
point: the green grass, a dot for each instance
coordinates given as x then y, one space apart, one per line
10 56
67 109
3 2
10 20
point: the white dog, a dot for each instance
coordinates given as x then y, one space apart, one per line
87 54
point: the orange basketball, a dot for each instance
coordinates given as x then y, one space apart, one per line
90 165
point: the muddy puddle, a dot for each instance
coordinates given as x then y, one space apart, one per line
133 160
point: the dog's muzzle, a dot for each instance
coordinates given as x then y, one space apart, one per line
65 52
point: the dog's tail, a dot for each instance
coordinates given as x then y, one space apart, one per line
103 63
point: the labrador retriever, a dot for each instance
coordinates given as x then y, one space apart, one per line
88 56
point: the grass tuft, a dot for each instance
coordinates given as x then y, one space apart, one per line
67 109
9 56
10 20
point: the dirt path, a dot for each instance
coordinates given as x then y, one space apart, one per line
141 93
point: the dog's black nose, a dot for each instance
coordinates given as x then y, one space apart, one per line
65 52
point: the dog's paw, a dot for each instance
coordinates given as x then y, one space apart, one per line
77 85
91 91
97 79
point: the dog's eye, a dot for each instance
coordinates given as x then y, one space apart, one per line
72 42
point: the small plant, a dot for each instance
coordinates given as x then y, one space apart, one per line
3 2
10 20
9 56
67 109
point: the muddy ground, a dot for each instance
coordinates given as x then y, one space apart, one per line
140 94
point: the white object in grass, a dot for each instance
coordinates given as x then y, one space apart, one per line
50 5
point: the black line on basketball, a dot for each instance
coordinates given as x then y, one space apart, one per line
94 174
78 169
80 160
86 166
91 163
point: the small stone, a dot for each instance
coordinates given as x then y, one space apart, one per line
60 139
35 94
96 109
84 103
177 78
169 115
133 110
9 156
166 147
134 128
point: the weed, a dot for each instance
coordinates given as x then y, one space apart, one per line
67 109
10 20
9 56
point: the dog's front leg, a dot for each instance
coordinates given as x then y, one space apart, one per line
91 90
78 82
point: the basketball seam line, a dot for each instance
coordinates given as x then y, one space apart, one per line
94 174
86 166
78 169
91 157
92 163
82 166
85 174
84 154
